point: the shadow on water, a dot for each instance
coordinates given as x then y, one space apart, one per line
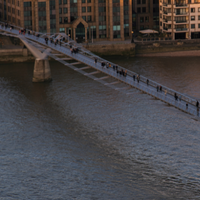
75 124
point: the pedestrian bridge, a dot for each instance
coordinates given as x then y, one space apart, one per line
84 62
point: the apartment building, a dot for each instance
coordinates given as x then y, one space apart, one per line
180 19
81 19
147 14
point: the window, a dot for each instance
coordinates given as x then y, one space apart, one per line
65 10
102 9
199 17
102 18
125 8
27 4
83 9
60 10
41 13
89 9
192 10
198 25
89 1
60 2
41 4
73 1
138 1
27 13
138 10
116 18
89 18
144 9
61 30
83 1
116 9
192 25
103 27
65 19
116 28
143 1
60 20
84 17
64 1
27 23
198 9
73 9
192 18
141 19
141 27
146 19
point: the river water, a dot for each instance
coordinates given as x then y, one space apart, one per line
75 138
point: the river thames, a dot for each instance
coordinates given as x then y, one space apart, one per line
75 138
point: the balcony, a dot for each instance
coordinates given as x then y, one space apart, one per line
167 5
181 22
181 14
167 13
180 5
181 29
167 29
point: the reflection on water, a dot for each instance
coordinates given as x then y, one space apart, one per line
76 138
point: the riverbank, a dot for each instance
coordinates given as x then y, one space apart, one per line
16 53
172 54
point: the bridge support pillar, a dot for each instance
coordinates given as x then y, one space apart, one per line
41 72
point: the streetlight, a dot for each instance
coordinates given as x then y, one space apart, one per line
132 40
92 34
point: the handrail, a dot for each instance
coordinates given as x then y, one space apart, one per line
88 54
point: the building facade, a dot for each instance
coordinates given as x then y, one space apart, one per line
147 14
80 19
180 19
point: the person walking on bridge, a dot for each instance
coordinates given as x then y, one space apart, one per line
147 82
125 73
175 96
134 77
138 78
95 61
160 88
197 105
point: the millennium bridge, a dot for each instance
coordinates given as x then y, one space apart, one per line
90 65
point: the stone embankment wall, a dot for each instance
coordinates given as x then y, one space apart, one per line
15 55
160 48
11 50
112 49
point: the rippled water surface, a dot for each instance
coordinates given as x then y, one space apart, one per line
75 138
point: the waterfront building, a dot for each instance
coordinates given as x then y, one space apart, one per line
180 19
80 19
147 14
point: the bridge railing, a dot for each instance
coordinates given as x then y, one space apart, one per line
90 55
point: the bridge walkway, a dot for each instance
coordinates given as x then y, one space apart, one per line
88 60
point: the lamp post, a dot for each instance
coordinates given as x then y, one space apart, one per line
132 40
92 34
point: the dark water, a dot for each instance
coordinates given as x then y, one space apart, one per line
77 139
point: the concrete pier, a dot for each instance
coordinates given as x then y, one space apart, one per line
41 72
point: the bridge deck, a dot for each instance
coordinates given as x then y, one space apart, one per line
88 59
